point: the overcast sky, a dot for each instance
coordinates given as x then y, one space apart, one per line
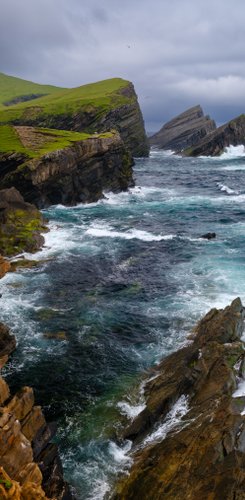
178 53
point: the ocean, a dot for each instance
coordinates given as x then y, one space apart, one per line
121 284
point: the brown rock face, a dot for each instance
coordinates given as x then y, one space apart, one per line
27 468
79 173
186 130
202 454
4 266
232 133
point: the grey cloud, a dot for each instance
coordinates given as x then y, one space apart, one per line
177 53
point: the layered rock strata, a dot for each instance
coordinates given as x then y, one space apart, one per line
232 133
30 467
185 130
77 173
21 225
200 454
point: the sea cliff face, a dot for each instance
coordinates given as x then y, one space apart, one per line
79 172
232 133
97 107
185 130
189 441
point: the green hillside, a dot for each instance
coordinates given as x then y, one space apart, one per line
100 97
34 142
12 88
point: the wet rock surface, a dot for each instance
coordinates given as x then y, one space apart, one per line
203 454
185 130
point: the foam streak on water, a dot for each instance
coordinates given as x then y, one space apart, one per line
121 284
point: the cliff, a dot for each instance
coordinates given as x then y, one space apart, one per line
50 167
98 107
30 467
232 133
189 441
185 130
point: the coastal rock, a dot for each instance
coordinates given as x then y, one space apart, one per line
232 133
209 236
21 224
199 448
28 470
77 173
185 130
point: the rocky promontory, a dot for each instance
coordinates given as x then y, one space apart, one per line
185 130
93 108
232 133
189 441
50 167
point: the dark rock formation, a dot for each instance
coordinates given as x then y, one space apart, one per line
186 130
209 236
203 454
79 173
30 467
21 225
232 133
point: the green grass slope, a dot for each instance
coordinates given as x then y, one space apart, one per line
42 140
97 97
12 88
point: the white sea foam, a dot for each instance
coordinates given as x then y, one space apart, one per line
240 391
225 188
171 422
120 453
131 411
233 152
107 232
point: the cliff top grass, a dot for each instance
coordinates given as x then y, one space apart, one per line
101 96
34 142
12 88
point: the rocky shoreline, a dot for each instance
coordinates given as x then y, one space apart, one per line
202 454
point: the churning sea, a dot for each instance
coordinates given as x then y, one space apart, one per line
122 283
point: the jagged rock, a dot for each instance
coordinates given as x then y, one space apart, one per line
209 236
232 133
21 224
25 448
186 130
203 455
77 173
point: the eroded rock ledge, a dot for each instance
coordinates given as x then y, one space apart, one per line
203 455
30 467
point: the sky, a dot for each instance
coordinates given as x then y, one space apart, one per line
178 53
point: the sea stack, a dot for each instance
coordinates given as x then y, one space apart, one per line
184 131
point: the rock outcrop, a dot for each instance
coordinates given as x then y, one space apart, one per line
76 173
184 131
21 225
232 133
30 467
199 452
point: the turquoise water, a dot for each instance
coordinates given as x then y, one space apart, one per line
122 282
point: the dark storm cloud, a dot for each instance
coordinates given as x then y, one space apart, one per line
178 53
